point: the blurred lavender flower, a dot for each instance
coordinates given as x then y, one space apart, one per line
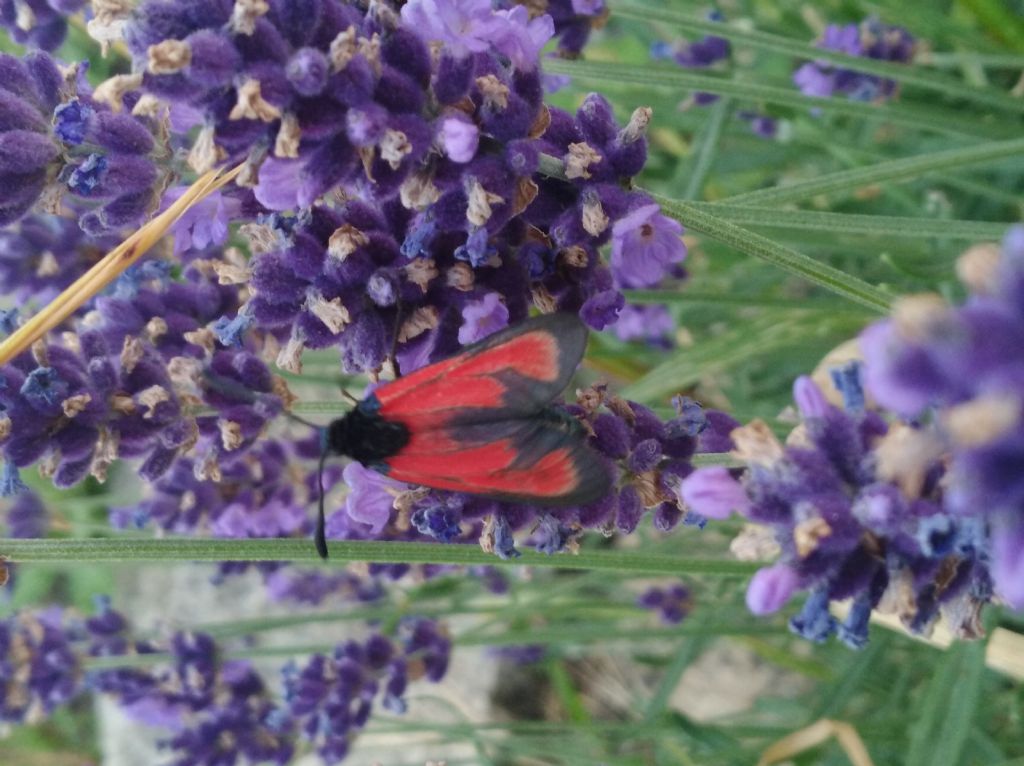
704 53
573 21
870 39
57 138
963 365
41 254
672 603
700 54
39 671
331 698
855 506
27 516
38 23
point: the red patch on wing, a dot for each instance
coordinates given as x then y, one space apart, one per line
469 461
467 380
553 476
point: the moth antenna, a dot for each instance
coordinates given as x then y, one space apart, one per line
303 421
348 397
394 337
320 536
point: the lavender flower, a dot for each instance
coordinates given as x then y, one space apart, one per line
672 603
870 39
39 671
331 697
645 246
653 325
39 23
962 365
118 387
856 508
40 255
57 138
27 516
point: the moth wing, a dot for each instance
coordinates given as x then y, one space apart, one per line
542 460
511 374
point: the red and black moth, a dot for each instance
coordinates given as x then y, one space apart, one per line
481 422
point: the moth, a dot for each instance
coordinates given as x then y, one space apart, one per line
481 422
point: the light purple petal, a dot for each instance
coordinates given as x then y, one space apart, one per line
714 493
770 588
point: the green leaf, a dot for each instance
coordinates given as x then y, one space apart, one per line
707 144
854 224
948 705
999 19
565 690
685 655
125 551
847 181
687 366
929 119
786 46
700 218
686 297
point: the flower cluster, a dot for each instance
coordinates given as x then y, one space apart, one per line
853 507
57 138
869 39
40 255
39 670
38 23
672 603
124 384
960 368
330 698
573 21
26 516
704 53
414 176
216 709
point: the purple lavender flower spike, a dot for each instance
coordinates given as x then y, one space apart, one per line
42 25
870 39
957 364
39 671
672 603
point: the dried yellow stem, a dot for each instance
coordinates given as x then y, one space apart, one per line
111 265
812 736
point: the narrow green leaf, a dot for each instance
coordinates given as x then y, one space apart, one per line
1000 20
847 181
685 297
707 148
687 366
850 678
700 218
344 551
930 119
853 224
939 734
566 691
688 651
906 73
